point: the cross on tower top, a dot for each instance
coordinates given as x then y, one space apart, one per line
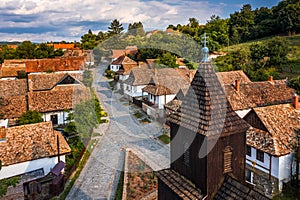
205 40
205 49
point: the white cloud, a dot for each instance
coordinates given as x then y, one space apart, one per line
63 15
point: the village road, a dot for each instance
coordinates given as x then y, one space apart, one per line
99 178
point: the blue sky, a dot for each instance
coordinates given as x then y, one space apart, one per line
56 20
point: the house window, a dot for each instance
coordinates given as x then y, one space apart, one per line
248 151
249 176
227 159
260 155
186 155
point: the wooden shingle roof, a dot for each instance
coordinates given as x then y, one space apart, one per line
58 99
31 142
46 81
281 123
13 106
139 76
255 94
205 109
157 90
178 184
13 87
231 76
234 190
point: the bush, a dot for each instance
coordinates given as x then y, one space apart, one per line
30 117
110 74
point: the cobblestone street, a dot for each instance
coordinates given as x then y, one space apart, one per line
99 178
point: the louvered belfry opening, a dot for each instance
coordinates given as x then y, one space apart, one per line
227 162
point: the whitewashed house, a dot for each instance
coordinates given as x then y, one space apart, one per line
121 63
137 80
30 148
55 94
271 142
163 87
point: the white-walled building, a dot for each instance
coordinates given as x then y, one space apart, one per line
55 94
122 63
136 81
271 142
29 148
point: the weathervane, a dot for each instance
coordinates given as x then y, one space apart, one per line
205 49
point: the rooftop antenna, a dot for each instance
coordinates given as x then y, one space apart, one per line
205 49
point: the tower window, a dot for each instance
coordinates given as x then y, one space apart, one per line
227 159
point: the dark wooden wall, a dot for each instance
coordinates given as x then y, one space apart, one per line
252 119
165 193
208 173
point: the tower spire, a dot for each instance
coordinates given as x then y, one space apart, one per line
205 49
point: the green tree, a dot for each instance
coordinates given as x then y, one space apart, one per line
295 83
193 22
26 50
241 23
89 40
287 13
87 78
217 29
167 60
115 27
30 117
44 51
278 49
7 182
136 29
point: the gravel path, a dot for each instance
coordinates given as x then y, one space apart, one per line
99 178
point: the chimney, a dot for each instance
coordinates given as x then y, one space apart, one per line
238 85
270 79
155 71
296 101
2 133
191 76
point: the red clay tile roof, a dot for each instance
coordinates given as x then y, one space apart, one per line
31 142
281 122
255 94
116 53
231 76
13 87
13 106
55 64
62 46
13 95
123 60
10 68
12 46
59 98
205 109
46 81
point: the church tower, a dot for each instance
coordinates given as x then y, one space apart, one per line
208 137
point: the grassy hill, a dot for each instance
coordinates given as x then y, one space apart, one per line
290 70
